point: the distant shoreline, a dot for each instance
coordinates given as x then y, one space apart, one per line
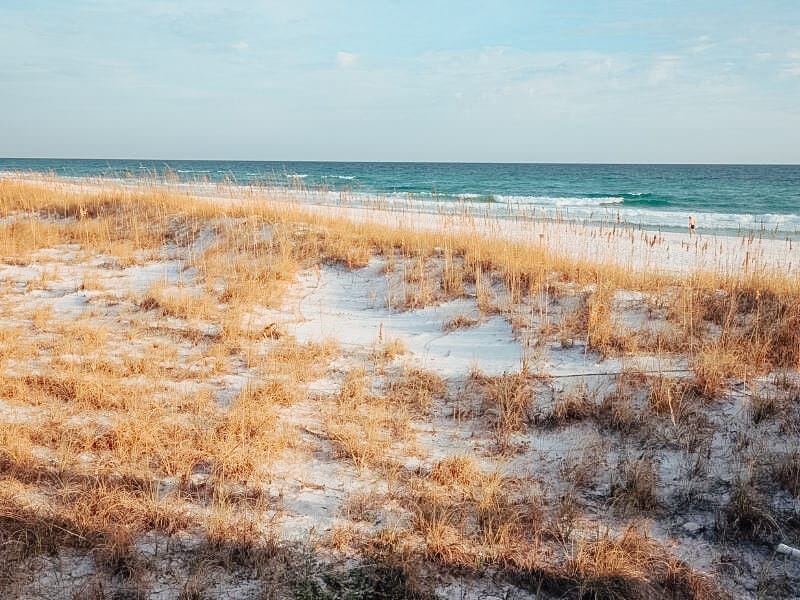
322 184
620 244
402 162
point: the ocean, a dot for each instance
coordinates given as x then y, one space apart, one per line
725 199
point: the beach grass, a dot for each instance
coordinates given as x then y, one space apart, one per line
156 410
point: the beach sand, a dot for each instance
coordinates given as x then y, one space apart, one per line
493 445
621 244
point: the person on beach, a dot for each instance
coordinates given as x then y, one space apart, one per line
692 224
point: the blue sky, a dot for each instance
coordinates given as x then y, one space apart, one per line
578 81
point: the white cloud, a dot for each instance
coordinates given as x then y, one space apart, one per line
345 60
240 45
701 44
792 66
792 70
664 68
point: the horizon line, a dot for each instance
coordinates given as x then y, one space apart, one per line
420 162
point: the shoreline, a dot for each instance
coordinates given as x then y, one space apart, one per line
619 244
618 209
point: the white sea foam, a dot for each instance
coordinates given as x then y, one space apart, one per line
610 209
605 209
560 201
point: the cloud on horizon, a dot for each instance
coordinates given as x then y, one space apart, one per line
346 60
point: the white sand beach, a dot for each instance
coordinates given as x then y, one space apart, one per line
625 245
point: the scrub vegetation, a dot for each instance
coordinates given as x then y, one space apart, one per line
164 432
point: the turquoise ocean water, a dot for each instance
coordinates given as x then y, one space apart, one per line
725 198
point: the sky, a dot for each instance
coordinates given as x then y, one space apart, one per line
505 81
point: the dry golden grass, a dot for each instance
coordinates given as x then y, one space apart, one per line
251 437
175 302
363 506
748 513
459 470
573 406
258 278
636 489
16 444
416 389
453 276
80 388
466 516
111 425
460 322
12 340
362 425
670 396
113 450
82 336
592 319
714 363
302 362
619 410
341 537
582 466
758 320
632 565
388 351
505 400
158 441
22 238
337 239
91 281
787 471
